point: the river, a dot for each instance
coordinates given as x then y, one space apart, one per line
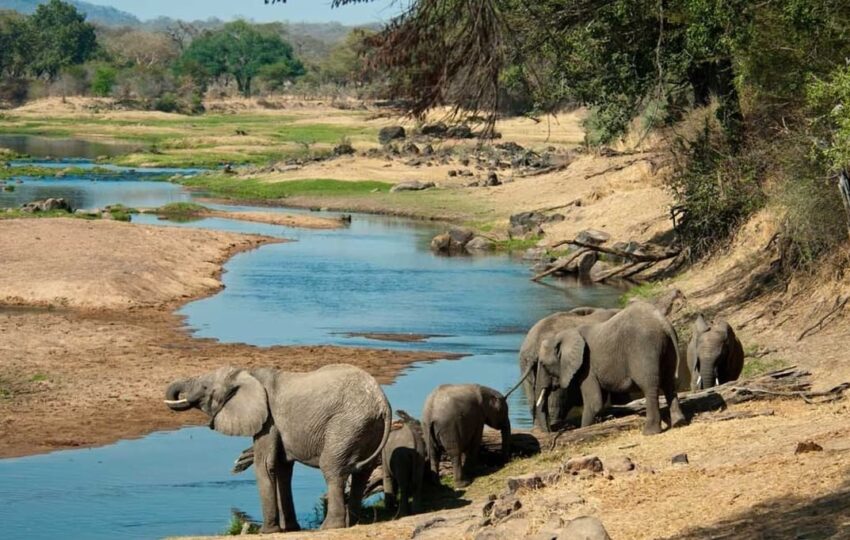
377 275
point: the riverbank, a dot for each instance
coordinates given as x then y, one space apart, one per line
90 338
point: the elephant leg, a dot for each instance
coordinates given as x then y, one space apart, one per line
335 518
653 410
457 466
266 468
593 401
434 456
389 488
472 452
418 480
284 494
403 496
677 418
359 480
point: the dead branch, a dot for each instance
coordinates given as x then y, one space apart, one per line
638 257
839 305
546 170
575 202
616 168
560 266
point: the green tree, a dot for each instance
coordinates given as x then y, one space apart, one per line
104 80
241 51
15 45
61 37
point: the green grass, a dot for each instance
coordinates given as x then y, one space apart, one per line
16 213
252 189
644 291
122 213
517 244
181 209
36 171
237 521
759 366
38 377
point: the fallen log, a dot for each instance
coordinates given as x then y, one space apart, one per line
560 265
658 254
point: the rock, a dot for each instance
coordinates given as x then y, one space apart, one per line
437 129
487 509
510 147
410 148
452 173
464 161
515 528
517 231
593 236
585 463
535 254
343 149
461 236
467 173
808 446
584 528
621 464
47 205
680 459
525 482
549 530
413 185
585 262
505 506
452 242
492 180
88 212
479 243
599 268
391 133
460 132
428 150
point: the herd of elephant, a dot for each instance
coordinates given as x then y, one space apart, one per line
338 419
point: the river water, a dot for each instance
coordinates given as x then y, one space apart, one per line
378 275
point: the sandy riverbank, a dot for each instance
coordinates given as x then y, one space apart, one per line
92 340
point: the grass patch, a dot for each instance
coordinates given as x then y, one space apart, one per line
644 291
759 366
16 213
237 188
38 377
238 522
120 212
181 209
516 244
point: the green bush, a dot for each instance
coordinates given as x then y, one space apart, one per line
167 103
714 189
104 80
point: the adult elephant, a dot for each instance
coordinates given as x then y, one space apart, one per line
558 404
636 348
715 354
453 420
336 418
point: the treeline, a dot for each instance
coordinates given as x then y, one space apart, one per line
56 52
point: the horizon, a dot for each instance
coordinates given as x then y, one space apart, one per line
293 11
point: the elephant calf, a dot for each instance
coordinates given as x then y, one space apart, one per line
336 418
403 461
715 354
453 420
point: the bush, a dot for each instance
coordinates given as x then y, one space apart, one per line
103 80
715 190
167 103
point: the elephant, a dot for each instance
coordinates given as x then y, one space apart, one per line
715 354
453 421
403 461
335 418
637 347
547 328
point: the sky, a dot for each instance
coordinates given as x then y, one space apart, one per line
292 10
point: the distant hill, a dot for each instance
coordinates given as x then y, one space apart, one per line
94 13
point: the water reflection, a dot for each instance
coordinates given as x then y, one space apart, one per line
36 146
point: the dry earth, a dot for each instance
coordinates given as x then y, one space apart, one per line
88 338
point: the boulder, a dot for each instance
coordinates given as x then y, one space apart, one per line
479 243
460 132
585 262
492 180
621 464
510 147
525 482
461 236
410 148
452 242
343 149
585 463
437 129
391 133
593 236
427 150
680 459
47 205
584 528
412 185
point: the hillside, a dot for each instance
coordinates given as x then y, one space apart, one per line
95 13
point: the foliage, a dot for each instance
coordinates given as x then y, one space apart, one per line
60 37
103 80
241 51
237 522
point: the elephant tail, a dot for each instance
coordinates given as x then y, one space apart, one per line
388 426
674 340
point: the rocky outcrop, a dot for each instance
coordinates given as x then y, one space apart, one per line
47 205
388 134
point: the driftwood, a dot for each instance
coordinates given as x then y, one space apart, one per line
560 265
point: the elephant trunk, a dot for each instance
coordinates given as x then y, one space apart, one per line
542 389
707 375
174 391
506 441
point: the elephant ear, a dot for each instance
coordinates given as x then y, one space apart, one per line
572 348
245 413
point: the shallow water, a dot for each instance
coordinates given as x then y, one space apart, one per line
36 146
376 276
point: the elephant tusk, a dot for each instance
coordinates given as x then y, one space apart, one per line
699 381
540 399
176 401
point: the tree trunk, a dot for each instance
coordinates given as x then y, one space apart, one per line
844 190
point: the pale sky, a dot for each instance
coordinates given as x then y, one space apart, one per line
292 10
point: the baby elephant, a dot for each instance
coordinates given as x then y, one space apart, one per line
453 420
403 460
715 354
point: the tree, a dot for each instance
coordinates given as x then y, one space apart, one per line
15 45
60 37
239 50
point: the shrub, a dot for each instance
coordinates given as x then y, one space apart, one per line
103 80
167 103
